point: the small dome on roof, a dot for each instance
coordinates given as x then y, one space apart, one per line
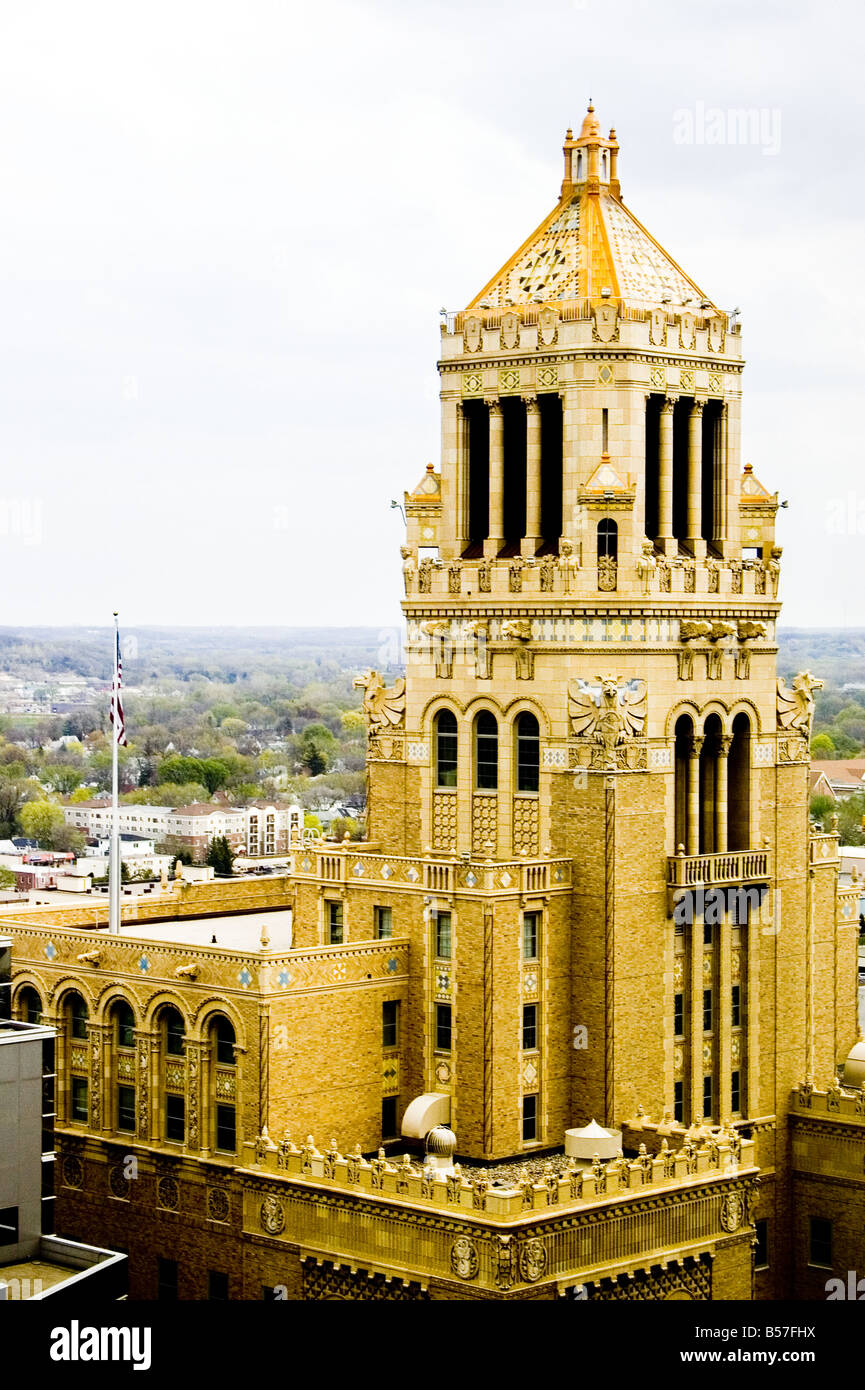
854 1067
441 1141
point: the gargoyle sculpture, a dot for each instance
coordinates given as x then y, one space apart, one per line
796 704
383 706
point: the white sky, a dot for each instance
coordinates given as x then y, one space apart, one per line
228 229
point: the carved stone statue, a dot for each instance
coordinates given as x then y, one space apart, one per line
569 565
796 704
609 713
548 573
647 566
408 567
384 707
519 630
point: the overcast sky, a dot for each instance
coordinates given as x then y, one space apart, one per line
228 230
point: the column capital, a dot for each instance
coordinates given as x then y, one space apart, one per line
531 403
669 405
725 743
695 745
493 404
698 407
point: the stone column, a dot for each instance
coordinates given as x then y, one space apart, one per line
496 538
695 479
722 523
665 477
694 750
725 743
532 539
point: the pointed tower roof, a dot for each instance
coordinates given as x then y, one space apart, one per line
590 245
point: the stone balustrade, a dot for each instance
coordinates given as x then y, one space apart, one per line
723 1155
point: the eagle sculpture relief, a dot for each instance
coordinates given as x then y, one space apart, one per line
608 713
383 706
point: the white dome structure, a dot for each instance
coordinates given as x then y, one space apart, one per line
584 1144
854 1066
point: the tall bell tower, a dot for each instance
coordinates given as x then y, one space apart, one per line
593 714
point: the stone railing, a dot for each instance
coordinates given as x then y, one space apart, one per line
351 863
741 866
561 577
722 1156
835 1101
823 847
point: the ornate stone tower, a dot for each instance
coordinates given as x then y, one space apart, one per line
592 709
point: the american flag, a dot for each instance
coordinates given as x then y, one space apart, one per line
120 723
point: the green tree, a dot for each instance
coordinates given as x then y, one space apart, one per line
179 770
315 748
42 820
8 878
822 746
821 807
220 855
215 774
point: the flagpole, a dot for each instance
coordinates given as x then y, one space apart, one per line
114 870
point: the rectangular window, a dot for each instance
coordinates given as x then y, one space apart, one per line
226 1129
605 430
80 1108
383 922
530 1027
531 935
166 1281
735 1006
8 1225
679 1101
443 935
761 1250
530 1118
707 933
175 1119
678 1014
735 1092
126 1109
217 1286
707 1097
707 1011
388 1117
443 1027
820 1251
390 1023
334 923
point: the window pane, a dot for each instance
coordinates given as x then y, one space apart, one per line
80 1111
528 753
443 935
175 1118
678 1014
174 1033
226 1129
443 1027
225 1041
390 1023
707 1097
530 935
125 1026
530 1027
486 752
335 923
383 922
821 1242
166 1280
707 1010
126 1109
388 1117
735 1009
78 1017
217 1286
530 1117
679 1101
446 749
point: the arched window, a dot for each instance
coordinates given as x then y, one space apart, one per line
76 1012
446 748
224 1039
528 753
29 1005
223 1086
124 1021
486 752
685 835
608 539
175 1032
739 785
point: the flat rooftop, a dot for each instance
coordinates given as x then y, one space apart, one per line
238 932
32 1276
